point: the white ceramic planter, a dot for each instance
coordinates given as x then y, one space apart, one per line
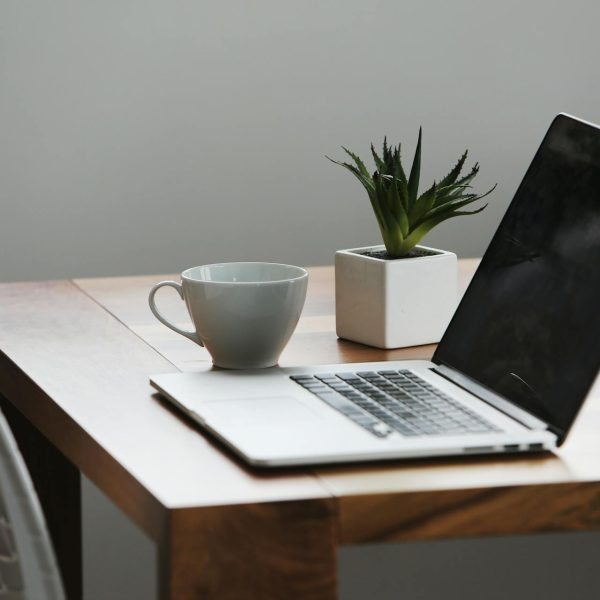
394 303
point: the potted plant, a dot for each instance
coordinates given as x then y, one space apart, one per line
401 294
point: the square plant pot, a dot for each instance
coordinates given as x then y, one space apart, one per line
394 303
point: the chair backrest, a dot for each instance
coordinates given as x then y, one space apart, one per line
28 569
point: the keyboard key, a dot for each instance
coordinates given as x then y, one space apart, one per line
348 376
339 403
351 394
382 428
394 401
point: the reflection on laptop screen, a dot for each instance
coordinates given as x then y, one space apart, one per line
529 325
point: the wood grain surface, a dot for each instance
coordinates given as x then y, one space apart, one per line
315 342
81 378
270 550
475 512
75 361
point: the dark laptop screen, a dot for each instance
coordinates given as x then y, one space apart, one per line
529 325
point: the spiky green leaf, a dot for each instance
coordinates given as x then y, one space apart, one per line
378 162
397 169
467 178
455 172
359 163
415 173
397 207
423 229
423 204
452 207
366 180
379 201
403 216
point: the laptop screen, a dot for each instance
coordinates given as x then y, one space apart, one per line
528 327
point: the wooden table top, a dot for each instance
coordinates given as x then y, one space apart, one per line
76 358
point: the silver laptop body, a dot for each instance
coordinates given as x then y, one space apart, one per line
270 420
509 375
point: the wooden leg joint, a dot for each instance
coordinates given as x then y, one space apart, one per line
269 551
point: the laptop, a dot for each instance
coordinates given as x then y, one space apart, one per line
510 374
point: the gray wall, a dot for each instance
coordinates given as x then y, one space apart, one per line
147 136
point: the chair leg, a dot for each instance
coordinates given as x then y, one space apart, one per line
58 485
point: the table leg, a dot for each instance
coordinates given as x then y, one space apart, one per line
57 483
255 551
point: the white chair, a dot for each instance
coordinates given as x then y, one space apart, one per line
28 569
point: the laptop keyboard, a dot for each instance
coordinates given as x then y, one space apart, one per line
386 401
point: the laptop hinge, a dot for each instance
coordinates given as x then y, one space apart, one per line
502 404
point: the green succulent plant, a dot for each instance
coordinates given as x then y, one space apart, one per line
404 216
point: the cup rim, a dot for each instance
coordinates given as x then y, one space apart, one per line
302 273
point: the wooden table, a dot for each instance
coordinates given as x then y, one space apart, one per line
76 356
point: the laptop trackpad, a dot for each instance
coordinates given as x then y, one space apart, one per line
257 410
276 429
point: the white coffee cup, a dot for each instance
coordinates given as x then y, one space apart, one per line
243 312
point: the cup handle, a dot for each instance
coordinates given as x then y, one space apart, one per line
192 335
